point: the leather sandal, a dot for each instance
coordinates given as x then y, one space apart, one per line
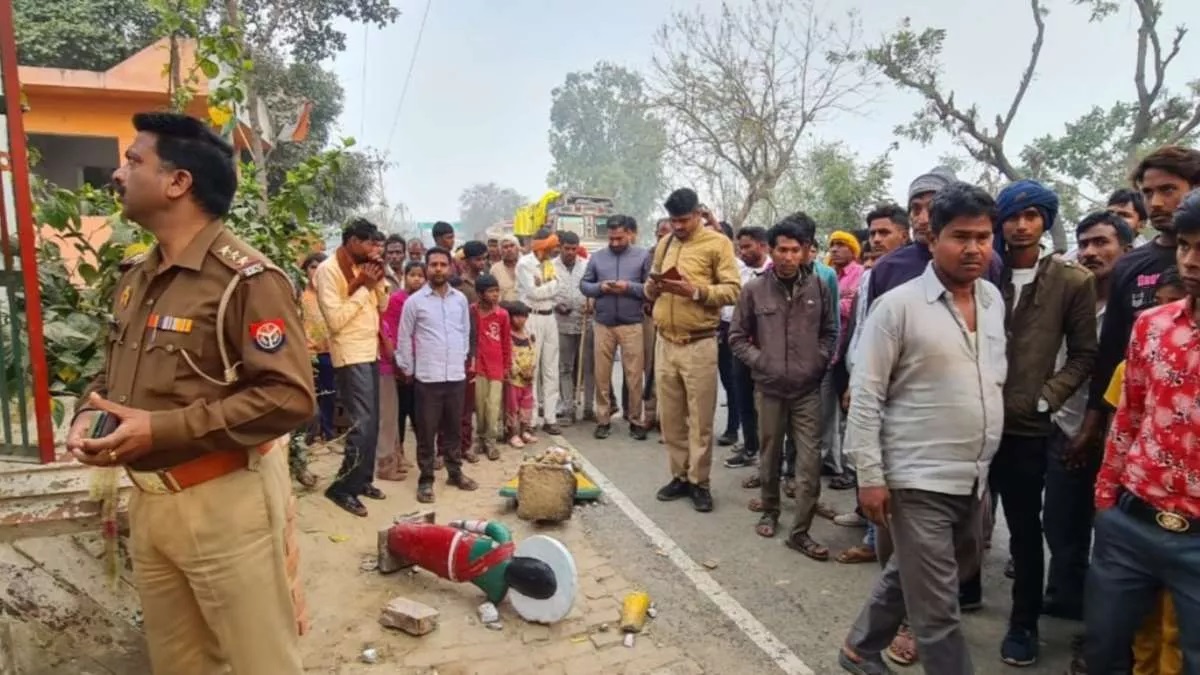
804 544
462 483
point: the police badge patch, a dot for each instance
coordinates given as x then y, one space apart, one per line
268 335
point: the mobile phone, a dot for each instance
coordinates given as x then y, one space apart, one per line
103 425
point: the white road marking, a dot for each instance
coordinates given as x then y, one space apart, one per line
774 648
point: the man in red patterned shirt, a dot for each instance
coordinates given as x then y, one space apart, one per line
1148 490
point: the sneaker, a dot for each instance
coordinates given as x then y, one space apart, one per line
602 431
1020 647
552 429
727 440
851 519
702 499
638 432
740 460
678 488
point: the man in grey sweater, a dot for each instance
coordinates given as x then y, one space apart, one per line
614 278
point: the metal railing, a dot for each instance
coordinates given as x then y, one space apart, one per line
24 378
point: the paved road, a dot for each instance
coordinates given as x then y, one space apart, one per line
807 605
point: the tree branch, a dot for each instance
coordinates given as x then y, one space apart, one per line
1027 77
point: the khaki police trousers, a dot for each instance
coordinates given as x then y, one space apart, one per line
686 376
211 564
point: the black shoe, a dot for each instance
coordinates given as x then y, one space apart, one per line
727 440
1020 647
348 502
372 492
969 602
552 429
702 499
678 488
740 460
602 431
638 432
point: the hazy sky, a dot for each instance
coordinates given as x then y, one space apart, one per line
478 105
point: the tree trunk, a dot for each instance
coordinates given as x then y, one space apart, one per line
175 72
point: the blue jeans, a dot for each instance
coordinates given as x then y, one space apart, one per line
326 396
1068 522
745 410
1133 560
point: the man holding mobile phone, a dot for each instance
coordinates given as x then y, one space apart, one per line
693 275
205 374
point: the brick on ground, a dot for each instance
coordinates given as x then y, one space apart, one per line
606 639
410 616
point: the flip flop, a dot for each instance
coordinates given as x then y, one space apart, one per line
903 650
805 545
752 483
856 555
768 524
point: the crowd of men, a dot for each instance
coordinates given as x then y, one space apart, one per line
960 364
975 370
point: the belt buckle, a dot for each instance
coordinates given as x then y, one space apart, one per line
154 482
1172 522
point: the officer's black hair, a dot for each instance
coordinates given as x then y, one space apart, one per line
184 143
360 229
682 202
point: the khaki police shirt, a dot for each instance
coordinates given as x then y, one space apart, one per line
163 355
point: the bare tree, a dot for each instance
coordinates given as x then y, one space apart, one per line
740 89
911 61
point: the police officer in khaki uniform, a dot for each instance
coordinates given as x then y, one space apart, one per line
206 371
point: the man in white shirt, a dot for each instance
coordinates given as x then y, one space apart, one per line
926 415
570 309
753 260
537 287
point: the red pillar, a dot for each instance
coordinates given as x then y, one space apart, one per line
18 164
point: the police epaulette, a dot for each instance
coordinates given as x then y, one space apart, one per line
130 262
252 269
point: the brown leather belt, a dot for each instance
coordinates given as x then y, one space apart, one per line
694 337
204 468
543 312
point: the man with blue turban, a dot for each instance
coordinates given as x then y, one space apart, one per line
1047 302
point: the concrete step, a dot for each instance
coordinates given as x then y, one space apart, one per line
49 499
59 613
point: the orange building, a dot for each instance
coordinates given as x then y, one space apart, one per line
78 122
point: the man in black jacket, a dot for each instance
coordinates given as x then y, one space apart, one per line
785 330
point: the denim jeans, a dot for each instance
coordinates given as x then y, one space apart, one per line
1070 507
326 396
1132 562
358 388
746 410
725 361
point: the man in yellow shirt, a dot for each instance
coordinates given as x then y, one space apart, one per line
693 275
352 292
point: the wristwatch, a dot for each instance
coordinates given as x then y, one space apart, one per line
696 295
1043 406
